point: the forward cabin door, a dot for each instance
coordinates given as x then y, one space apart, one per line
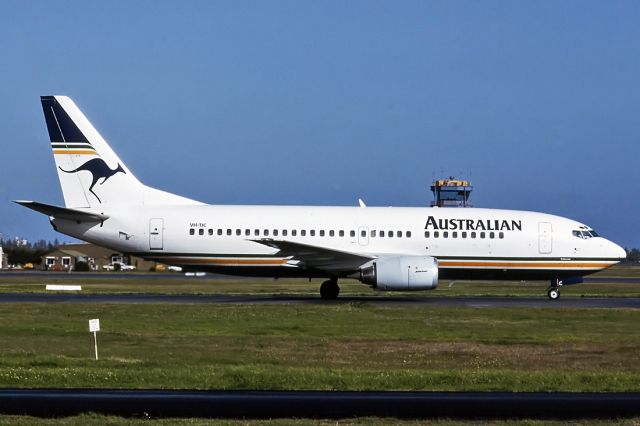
156 227
545 238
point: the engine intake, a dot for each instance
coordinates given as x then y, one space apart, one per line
401 273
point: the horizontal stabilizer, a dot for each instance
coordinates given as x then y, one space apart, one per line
62 212
315 257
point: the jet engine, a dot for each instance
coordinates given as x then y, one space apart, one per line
401 273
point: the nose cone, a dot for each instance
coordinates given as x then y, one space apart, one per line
616 251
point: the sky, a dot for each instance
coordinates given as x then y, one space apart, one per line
324 102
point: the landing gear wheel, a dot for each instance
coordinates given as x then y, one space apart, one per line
553 293
329 289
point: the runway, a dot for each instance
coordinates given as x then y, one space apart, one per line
313 404
470 302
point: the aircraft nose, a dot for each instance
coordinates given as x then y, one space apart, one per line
617 251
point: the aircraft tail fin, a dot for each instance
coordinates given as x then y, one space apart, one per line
90 172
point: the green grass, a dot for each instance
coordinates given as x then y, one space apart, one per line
354 346
351 346
94 419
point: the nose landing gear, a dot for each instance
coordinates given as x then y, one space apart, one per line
330 289
553 292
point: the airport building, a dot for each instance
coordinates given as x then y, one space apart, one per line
65 257
451 193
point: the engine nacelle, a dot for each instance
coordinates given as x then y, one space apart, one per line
401 273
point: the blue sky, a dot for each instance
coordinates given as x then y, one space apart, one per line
322 102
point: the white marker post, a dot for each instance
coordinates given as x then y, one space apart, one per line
94 326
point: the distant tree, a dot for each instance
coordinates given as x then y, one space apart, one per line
633 255
22 255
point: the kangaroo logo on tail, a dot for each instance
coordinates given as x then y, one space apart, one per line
99 170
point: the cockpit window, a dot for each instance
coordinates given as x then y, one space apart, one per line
584 233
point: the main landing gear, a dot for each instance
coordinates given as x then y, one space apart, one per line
329 289
553 292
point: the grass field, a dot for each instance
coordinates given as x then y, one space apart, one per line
351 346
92 419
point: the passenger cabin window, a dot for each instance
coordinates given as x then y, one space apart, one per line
312 232
238 232
373 233
275 232
322 232
284 232
200 231
408 234
363 233
256 232
247 232
390 234
341 233
303 233
228 231
294 232
426 234
352 233
210 231
192 231
332 233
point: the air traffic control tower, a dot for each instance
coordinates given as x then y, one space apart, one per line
451 193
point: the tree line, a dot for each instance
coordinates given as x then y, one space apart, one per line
20 252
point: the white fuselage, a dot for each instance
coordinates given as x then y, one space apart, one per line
468 243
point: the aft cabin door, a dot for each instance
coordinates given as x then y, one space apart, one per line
545 239
155 233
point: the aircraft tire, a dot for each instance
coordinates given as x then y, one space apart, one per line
329 290
553 293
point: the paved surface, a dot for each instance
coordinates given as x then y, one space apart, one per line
311 404
473 302
210 276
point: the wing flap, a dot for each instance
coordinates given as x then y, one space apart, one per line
315 257
63 212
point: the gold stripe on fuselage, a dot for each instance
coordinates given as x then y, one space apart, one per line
74 151
226 261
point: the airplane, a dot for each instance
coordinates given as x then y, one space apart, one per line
390 249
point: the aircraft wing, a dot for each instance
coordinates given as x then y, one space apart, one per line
315 257
63 212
